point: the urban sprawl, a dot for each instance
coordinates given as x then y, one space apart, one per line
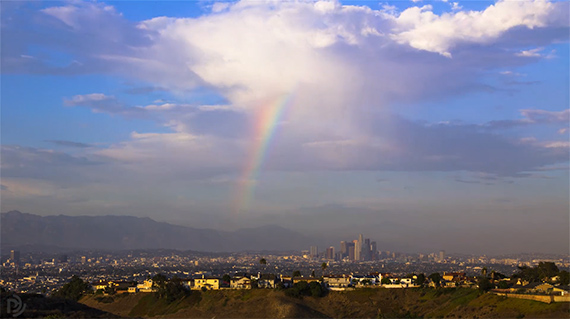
356 264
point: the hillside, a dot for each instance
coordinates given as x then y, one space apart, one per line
128 232
362 303
38 306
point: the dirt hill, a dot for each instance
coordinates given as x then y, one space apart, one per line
361 303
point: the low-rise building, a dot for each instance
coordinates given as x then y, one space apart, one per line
267 281
240 283
337 281
209 283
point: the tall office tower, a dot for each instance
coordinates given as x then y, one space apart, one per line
15 256
343 248
374 250
349 246
351 252
330 253
366 250
441 255
361 249
338 256
314 251
357 249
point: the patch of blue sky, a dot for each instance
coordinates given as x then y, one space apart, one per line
539 85
33 111
143 10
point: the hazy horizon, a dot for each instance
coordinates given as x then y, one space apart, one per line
425 125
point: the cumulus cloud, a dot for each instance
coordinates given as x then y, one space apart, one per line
341 69
422 29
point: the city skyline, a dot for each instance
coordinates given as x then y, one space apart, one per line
426 125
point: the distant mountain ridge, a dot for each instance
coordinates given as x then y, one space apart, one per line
127 232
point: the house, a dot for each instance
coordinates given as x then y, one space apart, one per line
188 283
209 283
287 281
146 286
406 281
133 290
563 290
306 279
240 283
454 276
121 286
337 281
100 285
267 281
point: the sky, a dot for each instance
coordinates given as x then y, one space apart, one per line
425 125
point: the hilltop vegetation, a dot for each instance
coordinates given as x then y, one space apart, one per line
361 303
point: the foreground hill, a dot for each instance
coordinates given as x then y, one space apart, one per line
361 303
39 306
127 232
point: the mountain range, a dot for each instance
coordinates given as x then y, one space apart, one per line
128 232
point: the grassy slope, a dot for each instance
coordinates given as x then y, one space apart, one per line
362 303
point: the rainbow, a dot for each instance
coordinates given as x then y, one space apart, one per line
266 122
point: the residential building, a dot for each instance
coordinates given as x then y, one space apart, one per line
210 283
240 283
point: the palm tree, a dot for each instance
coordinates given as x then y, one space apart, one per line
323 267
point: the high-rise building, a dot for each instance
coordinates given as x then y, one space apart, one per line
314 252
343 248
441 255
349 246
360 248
366 255
357 248
330 253
15 256
351 252
374 250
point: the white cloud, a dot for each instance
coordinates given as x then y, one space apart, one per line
342 69
532 53
422 29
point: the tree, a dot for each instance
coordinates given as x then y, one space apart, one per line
227 278
74 289
317 289
544 270
313 274
175 289
484 271
170 290
564 277
296 273
503 285
435 278
159 284
323 267
484 284
262 261
385 281
421 279
547 270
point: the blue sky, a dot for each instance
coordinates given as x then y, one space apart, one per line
423 114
